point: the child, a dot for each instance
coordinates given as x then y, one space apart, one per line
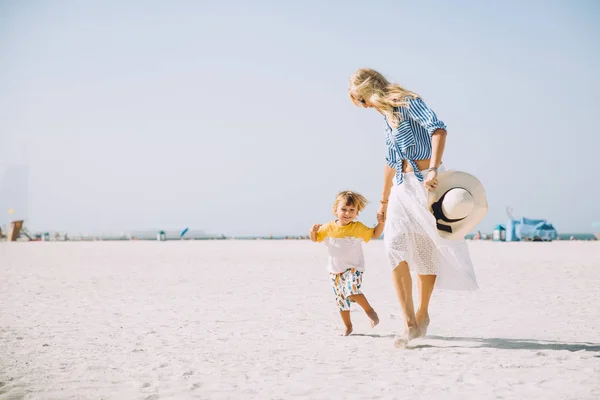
344 238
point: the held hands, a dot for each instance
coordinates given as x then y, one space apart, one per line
431 180
382 213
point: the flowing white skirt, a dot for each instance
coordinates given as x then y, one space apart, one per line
410 235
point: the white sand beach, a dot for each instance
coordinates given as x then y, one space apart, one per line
257 319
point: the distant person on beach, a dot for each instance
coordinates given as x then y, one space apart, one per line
415 140
344 237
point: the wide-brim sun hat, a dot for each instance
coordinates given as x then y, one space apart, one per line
458 203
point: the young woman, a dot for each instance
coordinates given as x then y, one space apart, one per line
415 140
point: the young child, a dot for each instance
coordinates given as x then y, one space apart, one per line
344 238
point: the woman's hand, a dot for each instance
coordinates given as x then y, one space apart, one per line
431 181
382 212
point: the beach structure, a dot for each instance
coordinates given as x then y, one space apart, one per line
499 233
15 230
527 229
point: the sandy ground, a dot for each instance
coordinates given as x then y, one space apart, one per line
257 319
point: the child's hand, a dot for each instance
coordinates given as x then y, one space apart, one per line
316 227
381 218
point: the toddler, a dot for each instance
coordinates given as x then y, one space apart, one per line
343 238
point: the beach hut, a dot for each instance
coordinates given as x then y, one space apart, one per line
499 233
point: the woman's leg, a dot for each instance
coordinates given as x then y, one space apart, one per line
426 285
403 285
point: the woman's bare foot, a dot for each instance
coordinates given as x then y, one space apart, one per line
373 317
423 322
410 333
348 331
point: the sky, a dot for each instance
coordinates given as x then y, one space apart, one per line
233 117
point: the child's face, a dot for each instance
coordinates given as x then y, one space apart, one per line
346 213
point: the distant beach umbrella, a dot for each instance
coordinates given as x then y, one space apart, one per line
183 232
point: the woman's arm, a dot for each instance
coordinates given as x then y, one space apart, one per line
388 182
438 143
424 116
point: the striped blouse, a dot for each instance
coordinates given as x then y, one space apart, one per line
412 139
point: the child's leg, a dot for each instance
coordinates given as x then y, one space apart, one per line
347 322
353 282
362 301
342 302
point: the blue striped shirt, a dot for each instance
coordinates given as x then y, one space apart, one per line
412 139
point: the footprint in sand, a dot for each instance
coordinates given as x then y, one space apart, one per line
152 397
188 373
196 386
145 385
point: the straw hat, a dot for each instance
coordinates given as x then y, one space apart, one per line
458 204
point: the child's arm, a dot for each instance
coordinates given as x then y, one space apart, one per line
313 232
379 228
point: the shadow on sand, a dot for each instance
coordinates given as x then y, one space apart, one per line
498 343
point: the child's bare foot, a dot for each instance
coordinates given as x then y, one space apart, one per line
373 317
348 331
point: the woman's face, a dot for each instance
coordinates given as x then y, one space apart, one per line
360 101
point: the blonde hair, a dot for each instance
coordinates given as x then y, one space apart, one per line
369 85
349 198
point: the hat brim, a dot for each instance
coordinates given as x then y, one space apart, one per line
457 179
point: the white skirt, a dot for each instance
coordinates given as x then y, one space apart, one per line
410 235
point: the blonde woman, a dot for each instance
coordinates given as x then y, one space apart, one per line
415 140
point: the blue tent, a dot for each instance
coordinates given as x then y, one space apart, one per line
511 231
530 230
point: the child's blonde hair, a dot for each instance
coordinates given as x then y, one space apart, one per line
350 198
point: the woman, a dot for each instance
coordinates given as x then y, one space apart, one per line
415 140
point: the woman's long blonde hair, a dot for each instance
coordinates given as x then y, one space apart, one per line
368 85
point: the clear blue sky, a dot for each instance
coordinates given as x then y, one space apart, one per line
233 116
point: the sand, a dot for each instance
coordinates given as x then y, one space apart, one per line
257 319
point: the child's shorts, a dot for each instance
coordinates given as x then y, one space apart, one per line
346 284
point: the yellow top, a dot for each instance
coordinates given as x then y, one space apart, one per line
354 229
344 244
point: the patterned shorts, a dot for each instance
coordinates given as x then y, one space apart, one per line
346 284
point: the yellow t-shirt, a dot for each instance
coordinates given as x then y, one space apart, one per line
344 244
